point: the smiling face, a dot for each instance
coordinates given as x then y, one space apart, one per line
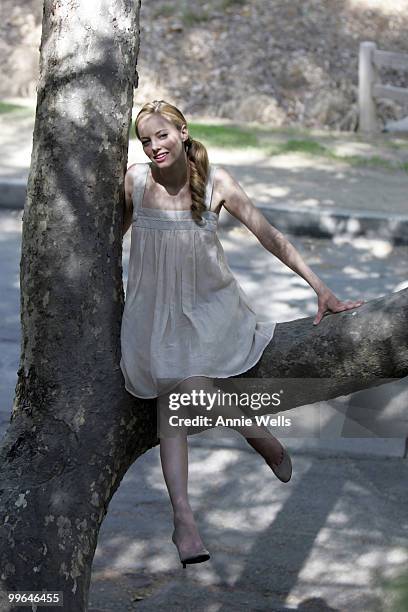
162 142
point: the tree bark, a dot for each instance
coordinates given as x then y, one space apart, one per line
74 430
348 351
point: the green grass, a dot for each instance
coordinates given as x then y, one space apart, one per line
398 587
396 145
299 146
311 147
223 136
5 107
374 161
235 137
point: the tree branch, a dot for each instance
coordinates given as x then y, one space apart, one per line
348 351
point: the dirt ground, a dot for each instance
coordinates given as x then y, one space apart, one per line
291 63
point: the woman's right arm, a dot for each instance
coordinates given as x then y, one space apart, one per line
240 206
128 212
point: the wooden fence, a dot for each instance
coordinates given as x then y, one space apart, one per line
370 86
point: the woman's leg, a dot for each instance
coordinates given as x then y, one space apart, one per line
174 461
257 436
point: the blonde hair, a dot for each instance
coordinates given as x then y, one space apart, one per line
196 152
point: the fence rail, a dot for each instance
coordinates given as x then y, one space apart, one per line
369 83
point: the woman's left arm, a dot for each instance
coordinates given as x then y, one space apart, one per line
240 206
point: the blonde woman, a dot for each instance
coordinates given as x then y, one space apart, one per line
186 319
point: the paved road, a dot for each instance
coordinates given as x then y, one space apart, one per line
322 542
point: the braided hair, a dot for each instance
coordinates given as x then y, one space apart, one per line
197 155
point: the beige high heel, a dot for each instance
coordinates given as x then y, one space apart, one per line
201 555
283 470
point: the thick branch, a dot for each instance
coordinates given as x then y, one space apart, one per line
346 352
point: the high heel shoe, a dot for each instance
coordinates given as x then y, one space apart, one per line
283 470
200 556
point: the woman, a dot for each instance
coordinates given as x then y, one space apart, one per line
186 319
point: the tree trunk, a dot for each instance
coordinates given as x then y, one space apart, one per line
74 430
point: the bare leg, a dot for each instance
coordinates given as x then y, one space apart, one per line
257 436
174 460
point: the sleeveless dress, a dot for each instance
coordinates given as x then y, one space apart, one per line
185 314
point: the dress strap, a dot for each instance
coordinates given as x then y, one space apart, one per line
209 187
140 179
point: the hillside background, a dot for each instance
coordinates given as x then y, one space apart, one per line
285 63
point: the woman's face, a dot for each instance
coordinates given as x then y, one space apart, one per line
162 142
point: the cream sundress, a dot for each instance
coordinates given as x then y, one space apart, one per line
185 314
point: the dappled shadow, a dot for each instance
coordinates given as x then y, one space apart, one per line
299 181
330 534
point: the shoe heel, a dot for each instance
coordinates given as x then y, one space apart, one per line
199 557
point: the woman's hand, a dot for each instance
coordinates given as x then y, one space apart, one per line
327 301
